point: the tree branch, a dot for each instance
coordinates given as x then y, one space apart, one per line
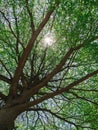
31 16
57 92
82 98
36 88
87 90
22 61
5 79
10 27
6 68
52 113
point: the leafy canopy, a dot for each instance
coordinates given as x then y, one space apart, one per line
55 75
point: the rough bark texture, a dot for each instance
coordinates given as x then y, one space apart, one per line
7 117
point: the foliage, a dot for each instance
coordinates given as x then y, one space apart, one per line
56 84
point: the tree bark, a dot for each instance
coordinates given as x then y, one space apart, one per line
7 117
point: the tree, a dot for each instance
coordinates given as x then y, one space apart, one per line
48 63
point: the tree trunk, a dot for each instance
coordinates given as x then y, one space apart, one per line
7 117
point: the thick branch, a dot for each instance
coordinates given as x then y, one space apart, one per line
26 53
58 68
36 88
58 92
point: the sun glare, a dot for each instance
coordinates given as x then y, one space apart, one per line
48 40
